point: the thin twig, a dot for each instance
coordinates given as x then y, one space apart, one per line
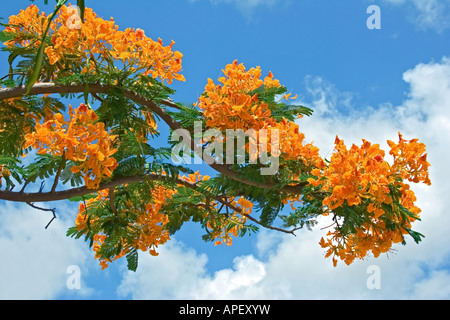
234 208
44 209
328 226
96 96
25 185
13 74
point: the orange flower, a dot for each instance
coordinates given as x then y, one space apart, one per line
146 233
360 174
231 105
73 42
410 160
81 139
4 172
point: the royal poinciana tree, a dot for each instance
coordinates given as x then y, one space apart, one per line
132 193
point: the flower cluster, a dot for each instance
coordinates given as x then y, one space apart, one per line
223 228
80 139
360 177
94 42
144 233
224 231
28 26
232 104
354 174
410 160
151 222
194 178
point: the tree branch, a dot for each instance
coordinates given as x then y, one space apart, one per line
232 207
50 88
74 192
58 173
81 191
112 200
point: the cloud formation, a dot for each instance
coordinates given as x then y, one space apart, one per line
427 14
36 261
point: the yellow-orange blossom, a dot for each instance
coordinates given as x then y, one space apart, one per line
96 41
147 232
361 174
81 139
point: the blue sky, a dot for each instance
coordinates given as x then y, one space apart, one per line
361 83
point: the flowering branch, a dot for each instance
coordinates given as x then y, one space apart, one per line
53 88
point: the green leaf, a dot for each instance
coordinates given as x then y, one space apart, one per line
132 259
80 4
36 68
267 94
40 53
45 166
187 115
415 235
290 112
6 36
304 216
82 198
15 53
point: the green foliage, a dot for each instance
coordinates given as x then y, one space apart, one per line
290 112
279 109
132 259
304 216
67 175
18 114
36 71
15 171
183 207
43 167
187 115
6 36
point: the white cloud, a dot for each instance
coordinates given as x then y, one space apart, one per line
434 286
427 14
171 275
35 260
289 267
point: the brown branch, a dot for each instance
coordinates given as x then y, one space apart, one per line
51 88
231 206
112 199
58 173
74 192
96 96
13 74
81 191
